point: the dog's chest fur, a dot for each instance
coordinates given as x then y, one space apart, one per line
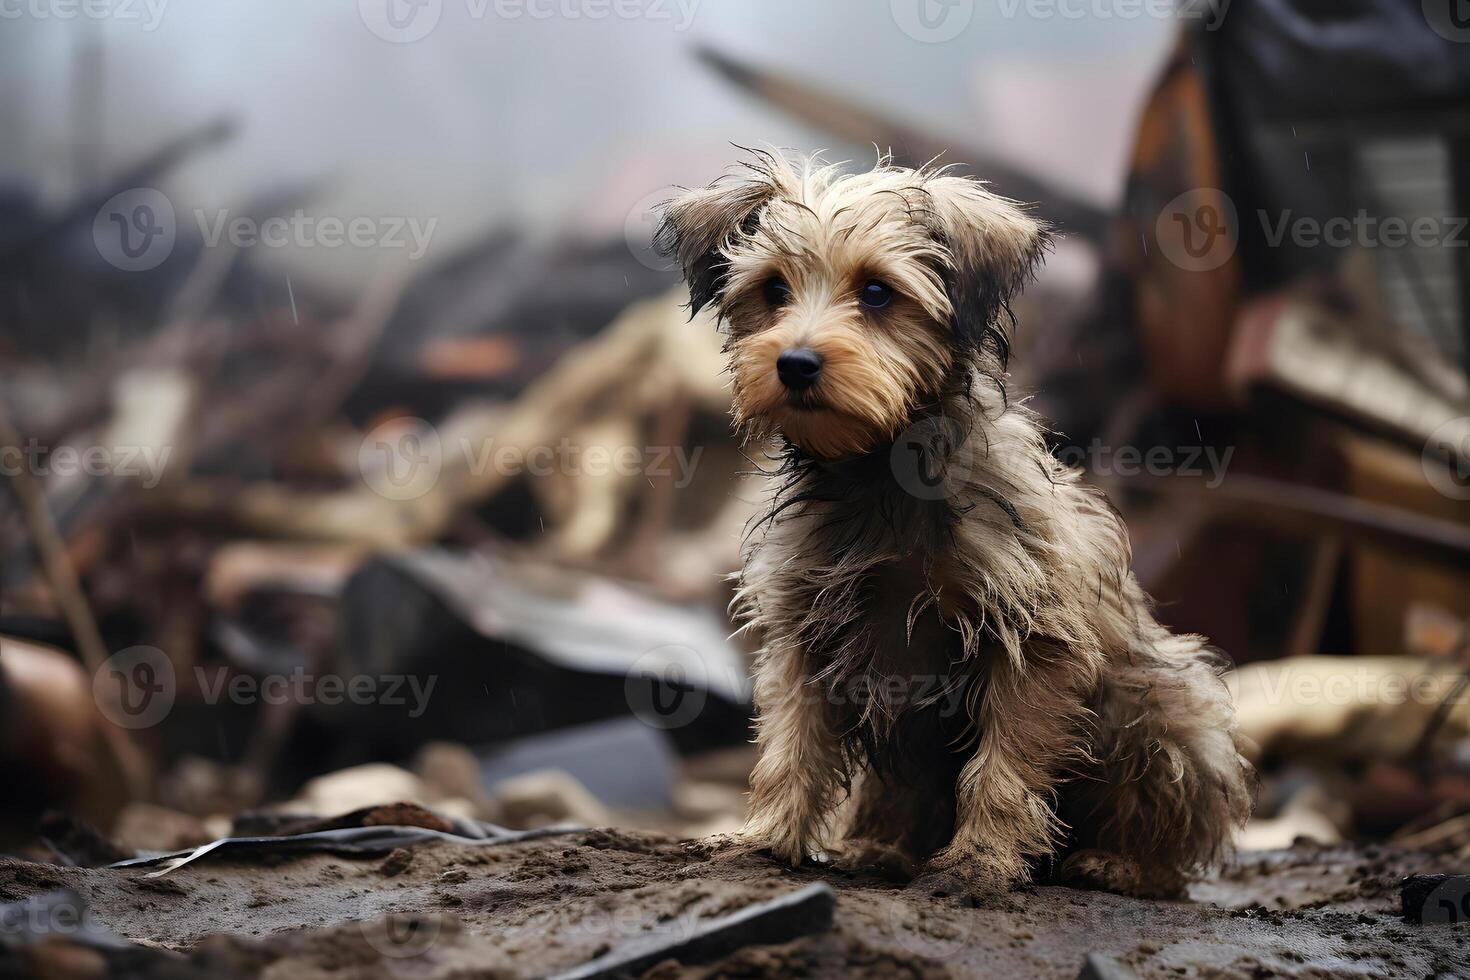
860 584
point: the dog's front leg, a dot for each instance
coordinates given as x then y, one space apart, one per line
794 785
1027 725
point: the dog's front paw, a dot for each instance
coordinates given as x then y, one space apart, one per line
888 861
719 846
971 870
784 848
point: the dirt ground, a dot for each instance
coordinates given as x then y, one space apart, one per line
535 908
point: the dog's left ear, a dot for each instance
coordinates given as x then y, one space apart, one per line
994 247
696 227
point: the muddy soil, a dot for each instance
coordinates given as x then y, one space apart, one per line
534 908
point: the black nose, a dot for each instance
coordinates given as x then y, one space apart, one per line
798 368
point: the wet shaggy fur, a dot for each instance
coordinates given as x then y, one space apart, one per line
958 670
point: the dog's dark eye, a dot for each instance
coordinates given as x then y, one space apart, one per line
875 295
776 291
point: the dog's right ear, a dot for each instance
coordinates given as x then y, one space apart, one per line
698 225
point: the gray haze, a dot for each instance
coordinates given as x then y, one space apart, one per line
558 123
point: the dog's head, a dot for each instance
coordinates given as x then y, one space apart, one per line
850 299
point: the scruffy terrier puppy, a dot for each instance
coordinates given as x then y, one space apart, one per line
952 640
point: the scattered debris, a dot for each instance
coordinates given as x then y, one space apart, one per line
77 843
334 491
779 920
362 838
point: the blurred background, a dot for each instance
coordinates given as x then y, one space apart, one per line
357 448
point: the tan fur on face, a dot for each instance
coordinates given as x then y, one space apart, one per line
874 369
924 234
